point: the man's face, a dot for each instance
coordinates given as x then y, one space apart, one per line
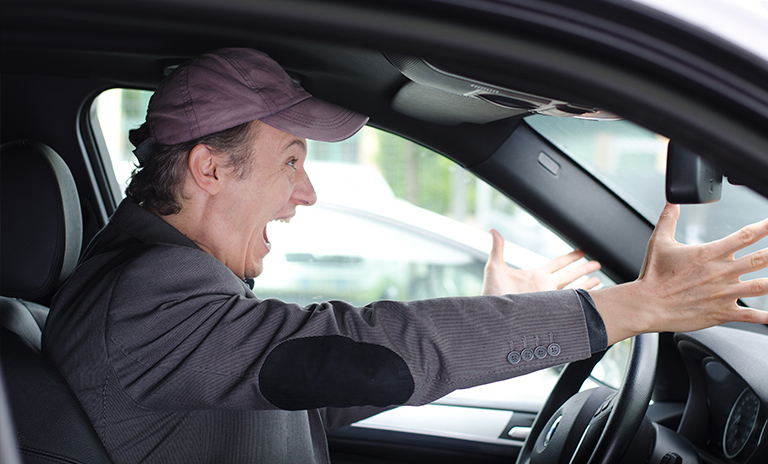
277 183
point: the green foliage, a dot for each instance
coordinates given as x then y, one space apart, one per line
420 176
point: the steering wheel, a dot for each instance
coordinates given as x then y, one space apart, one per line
598 425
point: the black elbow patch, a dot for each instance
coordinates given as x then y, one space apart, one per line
334 371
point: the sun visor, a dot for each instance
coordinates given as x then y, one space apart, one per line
441 107
440 97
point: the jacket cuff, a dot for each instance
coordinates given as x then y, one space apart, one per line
598 337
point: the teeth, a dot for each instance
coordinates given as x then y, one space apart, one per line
286 220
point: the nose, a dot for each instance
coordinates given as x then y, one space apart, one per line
304 192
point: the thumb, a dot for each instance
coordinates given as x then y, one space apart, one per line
665 230
667 223
497 249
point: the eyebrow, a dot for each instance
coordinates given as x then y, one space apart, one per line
296 142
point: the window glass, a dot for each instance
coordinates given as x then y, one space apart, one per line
117 111
632 162
393 221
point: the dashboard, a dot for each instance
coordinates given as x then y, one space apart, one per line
726 416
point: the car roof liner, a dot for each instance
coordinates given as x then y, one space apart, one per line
441 97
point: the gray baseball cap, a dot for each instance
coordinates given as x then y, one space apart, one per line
228 87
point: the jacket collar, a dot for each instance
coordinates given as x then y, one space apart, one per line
146 226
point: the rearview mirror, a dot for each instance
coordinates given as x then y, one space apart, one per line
690 178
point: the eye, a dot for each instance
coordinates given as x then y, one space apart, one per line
292 162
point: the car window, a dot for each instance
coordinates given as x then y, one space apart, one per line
631 161
393 220
115 112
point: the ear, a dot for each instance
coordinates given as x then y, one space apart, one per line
203 165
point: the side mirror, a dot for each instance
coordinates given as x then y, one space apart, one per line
690 178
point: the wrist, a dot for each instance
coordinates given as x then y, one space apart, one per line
624 309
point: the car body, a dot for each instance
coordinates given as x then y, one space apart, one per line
476 82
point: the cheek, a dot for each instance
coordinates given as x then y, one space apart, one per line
264 199
281 193
274 188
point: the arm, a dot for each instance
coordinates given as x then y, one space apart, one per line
183 333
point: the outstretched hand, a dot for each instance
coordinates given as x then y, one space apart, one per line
686 287
500 279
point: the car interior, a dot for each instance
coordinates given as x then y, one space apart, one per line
463 81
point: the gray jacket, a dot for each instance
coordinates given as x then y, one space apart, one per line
176 360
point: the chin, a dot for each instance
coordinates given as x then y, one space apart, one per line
254 271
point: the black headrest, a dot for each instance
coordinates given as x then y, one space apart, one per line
40 221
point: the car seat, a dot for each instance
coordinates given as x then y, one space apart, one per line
40 240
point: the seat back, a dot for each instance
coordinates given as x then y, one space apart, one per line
40 222
40 240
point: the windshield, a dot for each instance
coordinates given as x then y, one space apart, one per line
632 162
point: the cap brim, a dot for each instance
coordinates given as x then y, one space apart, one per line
316 119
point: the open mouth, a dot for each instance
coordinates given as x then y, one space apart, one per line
266 238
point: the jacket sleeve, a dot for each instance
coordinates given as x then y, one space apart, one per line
336 418
184 333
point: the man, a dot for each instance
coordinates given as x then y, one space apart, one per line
176 360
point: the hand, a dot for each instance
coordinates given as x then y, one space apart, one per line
500 279
686 287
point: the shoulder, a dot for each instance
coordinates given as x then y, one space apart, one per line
172 272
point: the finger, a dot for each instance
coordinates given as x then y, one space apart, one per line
742 238
743 314
588 284
752 262
497 249
563 261
571 275
750 288
667 223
